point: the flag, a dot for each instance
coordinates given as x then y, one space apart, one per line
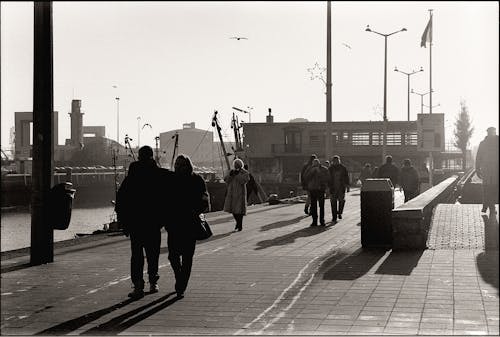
427 35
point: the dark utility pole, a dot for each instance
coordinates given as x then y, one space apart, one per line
42 235
328 138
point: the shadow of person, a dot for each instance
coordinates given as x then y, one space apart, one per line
487 261
128 319
74 324
283 223
290 237
352 267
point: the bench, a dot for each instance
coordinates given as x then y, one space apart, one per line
411 221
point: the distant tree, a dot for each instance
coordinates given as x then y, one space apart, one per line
463 131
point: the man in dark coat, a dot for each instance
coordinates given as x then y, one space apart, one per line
303 181
487 169
138 211
389 170
338 184
317 181
409 180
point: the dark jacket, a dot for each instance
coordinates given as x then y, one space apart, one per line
317 178
303 178
189 199
487 160
389 171
409 179
140 196
342 180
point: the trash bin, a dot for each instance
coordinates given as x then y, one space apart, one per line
61 203
377 202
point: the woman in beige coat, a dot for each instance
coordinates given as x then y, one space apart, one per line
236 196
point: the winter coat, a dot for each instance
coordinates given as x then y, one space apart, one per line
389 171
236 196
190 199
317 178
338 178
409 179
140 199
487 160
303 178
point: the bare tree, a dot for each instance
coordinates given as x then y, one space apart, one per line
463 131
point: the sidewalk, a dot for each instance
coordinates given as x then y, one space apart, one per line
277 276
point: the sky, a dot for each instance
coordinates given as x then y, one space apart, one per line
174 62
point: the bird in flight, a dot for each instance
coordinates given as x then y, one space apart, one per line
238 38
346 45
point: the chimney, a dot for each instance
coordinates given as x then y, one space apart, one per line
269 118
76 122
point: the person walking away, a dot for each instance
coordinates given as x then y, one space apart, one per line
410 181
366 173
190 200
487 169
303 181
236 196
389 170
317 181
138 210
338 184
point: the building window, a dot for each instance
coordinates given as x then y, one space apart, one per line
314 140
360 138
393 138
293 141
377 138
411 138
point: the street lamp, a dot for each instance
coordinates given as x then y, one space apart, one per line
421 99
117 119
434 106
368 29
408 74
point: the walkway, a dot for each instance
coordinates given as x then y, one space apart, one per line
277 276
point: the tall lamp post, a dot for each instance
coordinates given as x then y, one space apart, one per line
408 75
384 141
117 119
421 99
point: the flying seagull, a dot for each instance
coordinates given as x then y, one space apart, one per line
346 45
238 38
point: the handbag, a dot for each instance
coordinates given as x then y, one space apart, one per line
203 230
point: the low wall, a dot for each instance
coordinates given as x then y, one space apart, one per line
411 221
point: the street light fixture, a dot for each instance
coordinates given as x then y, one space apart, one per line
421 99
246 112
368 29
408 75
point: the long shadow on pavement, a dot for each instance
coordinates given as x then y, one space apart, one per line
76 323
487 261
284 223
290 237
352 267
122 322
400 262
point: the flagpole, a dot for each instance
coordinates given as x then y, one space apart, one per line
430 64
431 159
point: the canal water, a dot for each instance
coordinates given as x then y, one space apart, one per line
16 226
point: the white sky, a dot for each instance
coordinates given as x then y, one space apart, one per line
173 62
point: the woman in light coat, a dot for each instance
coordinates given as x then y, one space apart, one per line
236 196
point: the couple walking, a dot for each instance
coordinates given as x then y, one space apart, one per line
150 198
315 179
